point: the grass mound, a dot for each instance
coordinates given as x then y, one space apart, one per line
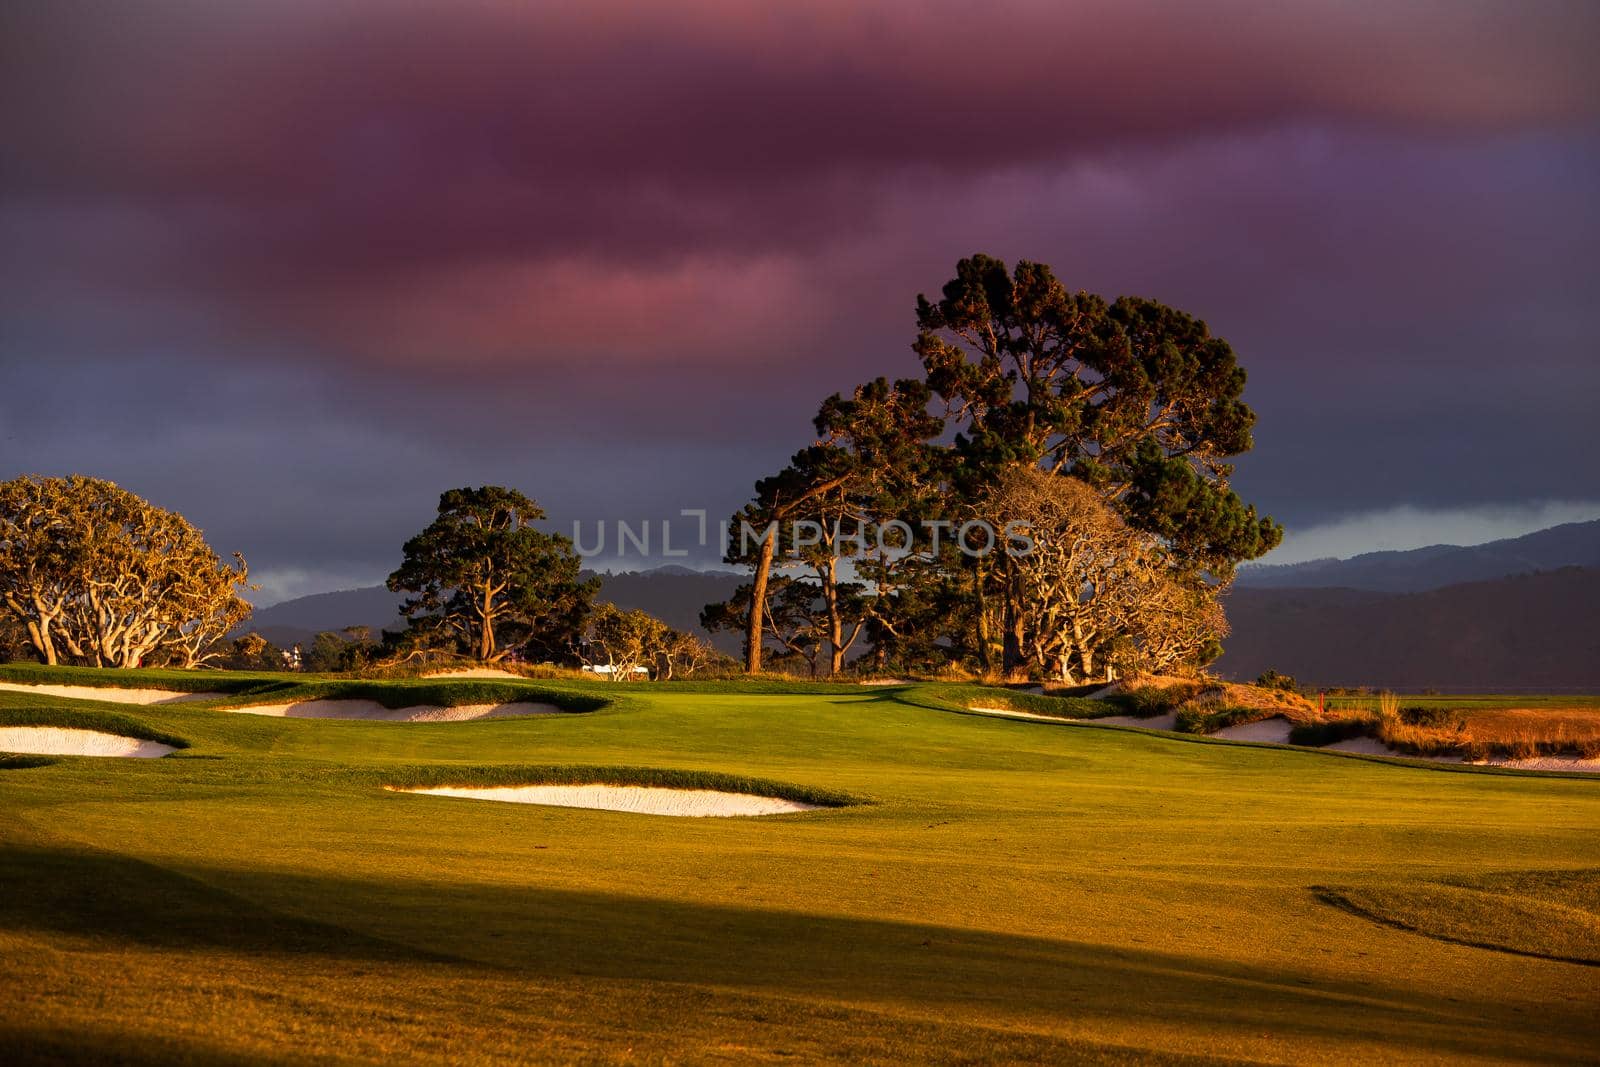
232 682
1550 914
445 693
1146 696
653 777
967 697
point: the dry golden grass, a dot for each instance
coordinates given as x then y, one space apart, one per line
1208 704
1474 733
1528 732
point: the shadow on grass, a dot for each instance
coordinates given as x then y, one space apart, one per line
102 896
535 933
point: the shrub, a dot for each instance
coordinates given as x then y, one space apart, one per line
1421 716
1271 679
1331 731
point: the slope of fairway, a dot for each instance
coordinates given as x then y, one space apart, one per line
1018 890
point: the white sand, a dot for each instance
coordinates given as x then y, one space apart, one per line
884 681
644 800
475 672
371 709
106 693
64 741
1169 721
1010 714
1274 730
1546 763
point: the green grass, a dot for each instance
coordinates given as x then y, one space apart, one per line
1014 891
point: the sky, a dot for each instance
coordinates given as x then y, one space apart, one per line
293 268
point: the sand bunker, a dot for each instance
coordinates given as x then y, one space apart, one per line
64 741
107 693
1274 731
1008 713
1545 763
644 800
475 672
372 710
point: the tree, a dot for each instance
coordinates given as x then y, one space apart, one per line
486 581
1137 399
1095 595
250 652
1133 399
788 610
870 458
98 576
688 655
13 638
622 641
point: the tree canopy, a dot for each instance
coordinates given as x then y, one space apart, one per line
485 581
1136 404
98 576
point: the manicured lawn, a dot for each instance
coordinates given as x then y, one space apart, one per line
1008 890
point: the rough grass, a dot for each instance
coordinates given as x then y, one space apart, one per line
1490 727
1218 705
1016 892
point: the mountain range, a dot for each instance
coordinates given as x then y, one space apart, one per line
1574 544
1522 613
672 593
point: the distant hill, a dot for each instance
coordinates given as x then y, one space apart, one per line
672 593
301 619
1575 544
1532 632
675 595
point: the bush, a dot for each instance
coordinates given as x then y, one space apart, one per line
1148 701
1271 679
1331 731
1441 717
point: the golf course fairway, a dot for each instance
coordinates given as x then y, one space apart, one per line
971 889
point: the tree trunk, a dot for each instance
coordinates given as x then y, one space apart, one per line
984 620
39 637
829 573
486 636
758 602
1013 655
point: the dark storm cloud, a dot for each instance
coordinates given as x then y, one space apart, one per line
298 251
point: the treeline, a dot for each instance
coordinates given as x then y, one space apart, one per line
1049 497
1104 429
92 575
